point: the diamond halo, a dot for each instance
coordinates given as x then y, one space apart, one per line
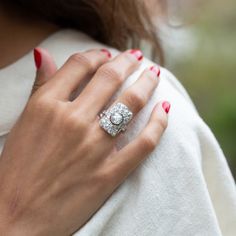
115 119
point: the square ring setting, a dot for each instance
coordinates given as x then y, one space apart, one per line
115 119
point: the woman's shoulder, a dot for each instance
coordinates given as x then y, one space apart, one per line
187 159
66 42
184 120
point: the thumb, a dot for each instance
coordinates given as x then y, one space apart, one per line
45 66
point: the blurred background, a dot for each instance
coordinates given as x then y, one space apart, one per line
200 49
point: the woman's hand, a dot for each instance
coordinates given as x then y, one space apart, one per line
58 166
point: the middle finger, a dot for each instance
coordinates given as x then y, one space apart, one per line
106 81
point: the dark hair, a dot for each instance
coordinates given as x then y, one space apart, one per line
118 23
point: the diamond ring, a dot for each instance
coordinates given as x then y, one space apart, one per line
115 119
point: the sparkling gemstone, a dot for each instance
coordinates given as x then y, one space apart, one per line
116 118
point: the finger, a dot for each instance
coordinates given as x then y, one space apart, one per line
76 69
138 94
45 66
107 80
128 158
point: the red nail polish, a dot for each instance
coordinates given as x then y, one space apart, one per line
156 70
137 53
106 51
166 106
37 58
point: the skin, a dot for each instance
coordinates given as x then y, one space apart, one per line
58 166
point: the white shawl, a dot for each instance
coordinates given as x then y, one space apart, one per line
183 188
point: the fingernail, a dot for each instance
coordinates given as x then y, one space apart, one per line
137 53
156 70
37 58
106 51
166 106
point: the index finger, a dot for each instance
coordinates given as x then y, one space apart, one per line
77 68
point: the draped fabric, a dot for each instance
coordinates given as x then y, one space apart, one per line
183 188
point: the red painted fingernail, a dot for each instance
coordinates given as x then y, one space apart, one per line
37 58
106 51
156 70
166 106
137 53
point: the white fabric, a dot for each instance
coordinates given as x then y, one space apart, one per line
183 188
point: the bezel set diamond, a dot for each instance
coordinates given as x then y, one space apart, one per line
115 119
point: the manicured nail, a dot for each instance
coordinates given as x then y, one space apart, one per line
106 51
166 106
156 70
37 58
137 53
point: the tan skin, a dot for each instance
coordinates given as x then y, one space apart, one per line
58 167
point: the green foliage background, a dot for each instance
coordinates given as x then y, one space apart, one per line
209 74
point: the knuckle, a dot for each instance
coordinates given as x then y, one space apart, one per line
42 104
70 123
73 122
135 100
106 177
148 142
82 60
107 71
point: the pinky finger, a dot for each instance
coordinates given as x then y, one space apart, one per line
131 156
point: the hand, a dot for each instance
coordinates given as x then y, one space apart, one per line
58 166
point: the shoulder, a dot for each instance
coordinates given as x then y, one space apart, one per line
66 42
184 120
183 114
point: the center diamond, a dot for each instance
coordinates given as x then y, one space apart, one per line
116 118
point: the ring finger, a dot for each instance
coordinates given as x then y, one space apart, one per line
138 94
107 81
135 98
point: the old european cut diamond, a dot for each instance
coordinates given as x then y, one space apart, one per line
116 118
